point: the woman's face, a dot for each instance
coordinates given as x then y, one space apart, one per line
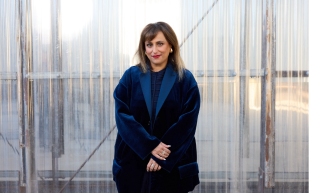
157 50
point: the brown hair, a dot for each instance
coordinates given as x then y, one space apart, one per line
148 34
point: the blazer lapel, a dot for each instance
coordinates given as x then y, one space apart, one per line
166 86
145 80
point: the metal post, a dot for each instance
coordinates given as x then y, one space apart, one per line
243 99
244 88
267 154
20 97
25 100
57 89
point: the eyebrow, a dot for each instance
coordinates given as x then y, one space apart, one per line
160 41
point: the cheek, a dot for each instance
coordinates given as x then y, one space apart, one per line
166 50
148 50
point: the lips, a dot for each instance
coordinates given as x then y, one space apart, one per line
156 56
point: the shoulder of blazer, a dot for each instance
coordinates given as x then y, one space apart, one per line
135 70
130 74
188 79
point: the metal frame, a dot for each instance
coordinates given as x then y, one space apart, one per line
267 143
199 73
20 97
56 128
28 175
221 175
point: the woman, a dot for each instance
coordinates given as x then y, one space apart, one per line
156 105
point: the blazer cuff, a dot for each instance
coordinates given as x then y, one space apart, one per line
148 148
165 164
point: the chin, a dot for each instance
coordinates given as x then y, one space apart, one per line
158 63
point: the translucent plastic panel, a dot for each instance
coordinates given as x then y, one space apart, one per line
227 39
9 27
292 96
228 155
76 68
81 48
228 34
9 141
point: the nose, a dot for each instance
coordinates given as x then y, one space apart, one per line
155 49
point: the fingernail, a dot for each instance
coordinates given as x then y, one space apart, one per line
169 145
164 159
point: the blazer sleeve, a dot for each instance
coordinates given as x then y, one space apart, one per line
131 131
181 133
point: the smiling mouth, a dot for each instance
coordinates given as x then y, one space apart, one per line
156 56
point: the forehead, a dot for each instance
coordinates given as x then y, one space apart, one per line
159 37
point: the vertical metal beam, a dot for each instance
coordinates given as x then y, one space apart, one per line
267 154
31 174
270 98
57 89
243 89
263 102
25 100
20 97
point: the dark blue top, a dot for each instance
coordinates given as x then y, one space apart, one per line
156 81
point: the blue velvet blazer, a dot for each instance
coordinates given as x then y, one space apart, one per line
175 124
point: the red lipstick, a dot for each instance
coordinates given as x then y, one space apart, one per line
156 56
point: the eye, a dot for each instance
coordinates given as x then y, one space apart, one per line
160 44
148 45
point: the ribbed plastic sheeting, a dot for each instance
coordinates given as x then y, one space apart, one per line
221 52
292 96
81 48
9 137
76 66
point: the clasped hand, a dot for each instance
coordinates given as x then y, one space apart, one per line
161 152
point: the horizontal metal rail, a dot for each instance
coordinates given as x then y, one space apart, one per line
8 76
292 73
230 73
48 174
71 75
116 74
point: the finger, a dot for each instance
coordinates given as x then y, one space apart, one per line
163 155
159 168
148 166
153 163
167 150
159 157
151 167
161 150
166 146
166 155
156 167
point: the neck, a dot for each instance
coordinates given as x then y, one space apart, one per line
157 68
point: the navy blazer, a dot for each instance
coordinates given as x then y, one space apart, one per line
175 124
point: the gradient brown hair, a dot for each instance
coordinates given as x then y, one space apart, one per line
148 34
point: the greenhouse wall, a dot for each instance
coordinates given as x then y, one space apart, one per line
60 61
